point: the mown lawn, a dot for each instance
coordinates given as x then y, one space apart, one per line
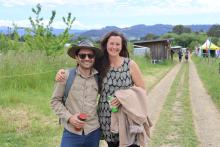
26 85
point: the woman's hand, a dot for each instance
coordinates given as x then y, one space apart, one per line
60 76
115 102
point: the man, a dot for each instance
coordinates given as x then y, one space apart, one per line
82 99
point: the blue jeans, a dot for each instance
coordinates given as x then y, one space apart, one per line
73 140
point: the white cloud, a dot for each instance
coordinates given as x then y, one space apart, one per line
19 23
81 26
57 24
54 3
140 7
111 11
169 7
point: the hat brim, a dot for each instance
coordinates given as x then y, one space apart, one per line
72 51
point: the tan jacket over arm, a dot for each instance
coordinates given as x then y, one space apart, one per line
132 115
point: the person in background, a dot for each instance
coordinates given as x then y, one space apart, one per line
180 55
82 99
116 71
171 54
187 55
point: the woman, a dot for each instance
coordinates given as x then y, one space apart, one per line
116 72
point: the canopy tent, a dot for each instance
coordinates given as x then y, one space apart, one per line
208 45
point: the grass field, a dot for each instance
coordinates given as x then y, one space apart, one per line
153 72
209 72
26 85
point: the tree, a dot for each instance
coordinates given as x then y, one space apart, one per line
40 36
179 29
149 36
214 31
188 40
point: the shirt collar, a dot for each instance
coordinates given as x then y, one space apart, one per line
93 72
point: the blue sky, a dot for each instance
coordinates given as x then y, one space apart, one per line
95 14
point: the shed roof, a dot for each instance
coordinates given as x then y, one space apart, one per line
153 41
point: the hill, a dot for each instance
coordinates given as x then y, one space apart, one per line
133 32
138 31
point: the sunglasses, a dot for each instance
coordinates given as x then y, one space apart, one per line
83 56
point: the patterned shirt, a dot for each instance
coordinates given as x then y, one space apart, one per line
116 78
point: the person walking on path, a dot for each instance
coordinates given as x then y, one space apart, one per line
81 100
180 55
187 55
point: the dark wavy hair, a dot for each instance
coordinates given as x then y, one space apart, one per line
103 65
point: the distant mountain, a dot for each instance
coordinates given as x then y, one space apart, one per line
138 31
133 32
21 31
197 28
97 34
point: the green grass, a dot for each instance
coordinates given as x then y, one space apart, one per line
153 73
175 126
209 73
26 85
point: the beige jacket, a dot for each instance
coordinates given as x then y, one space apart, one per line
82 98
131 121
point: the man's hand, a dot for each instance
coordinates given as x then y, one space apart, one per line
60 76
76 122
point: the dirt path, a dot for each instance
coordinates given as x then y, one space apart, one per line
206 116
158 94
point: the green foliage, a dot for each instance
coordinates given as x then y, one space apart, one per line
188 40
10 41
40 36
150 36
7 43
179 29
214 31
